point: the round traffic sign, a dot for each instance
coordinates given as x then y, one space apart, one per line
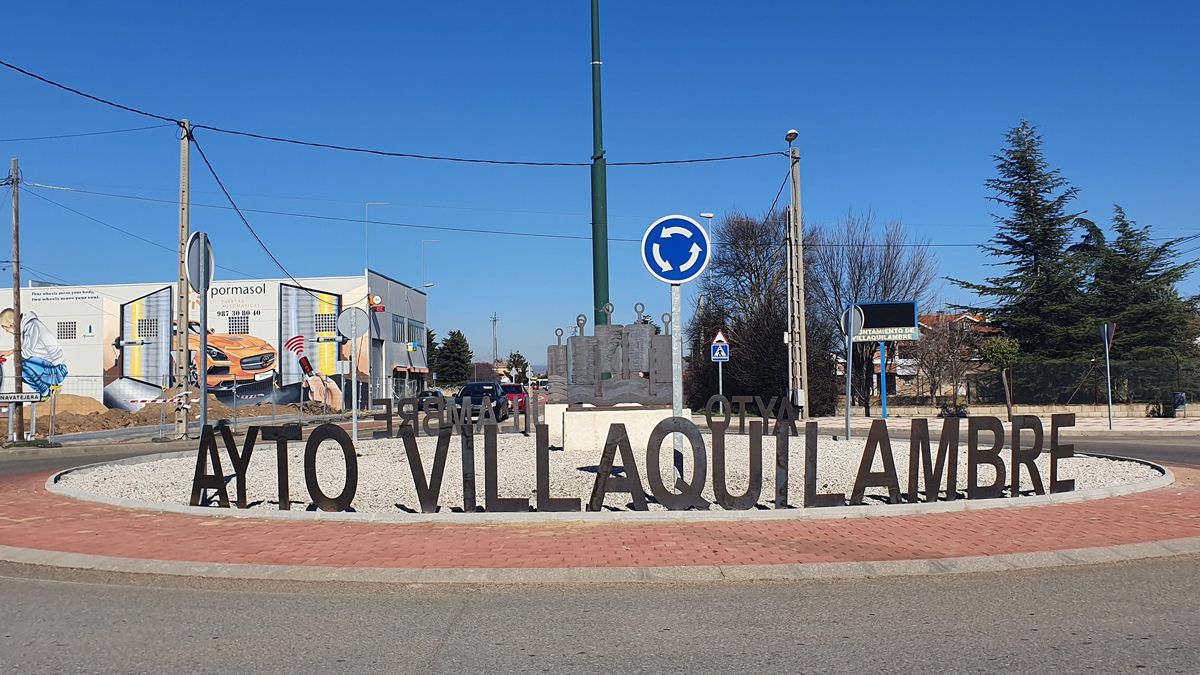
353 322
199 279
852 320
675 249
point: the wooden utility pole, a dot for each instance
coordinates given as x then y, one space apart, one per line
15 412
181 294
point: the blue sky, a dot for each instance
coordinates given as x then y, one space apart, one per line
899 106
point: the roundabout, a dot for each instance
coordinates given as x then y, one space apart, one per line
1138 511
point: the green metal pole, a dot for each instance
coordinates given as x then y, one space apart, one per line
599 184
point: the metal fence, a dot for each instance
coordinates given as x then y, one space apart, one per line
1133 382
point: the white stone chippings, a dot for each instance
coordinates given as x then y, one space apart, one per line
385 483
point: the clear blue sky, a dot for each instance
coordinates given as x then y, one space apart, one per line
899 106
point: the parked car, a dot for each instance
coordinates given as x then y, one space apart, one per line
429 398
515 393
473 394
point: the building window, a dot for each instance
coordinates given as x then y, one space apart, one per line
325 323
67 330
147 328
397 328
416 332
239 325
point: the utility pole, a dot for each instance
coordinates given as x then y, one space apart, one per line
495 351
15 413
797 327
181 294
599 185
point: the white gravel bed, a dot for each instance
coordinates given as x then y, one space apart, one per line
386 485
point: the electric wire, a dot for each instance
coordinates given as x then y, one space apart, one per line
370 151
253 233
439 228
88 133
115 228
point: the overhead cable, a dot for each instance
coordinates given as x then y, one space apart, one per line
370 151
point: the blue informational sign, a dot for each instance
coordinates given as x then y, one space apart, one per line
675 249
720 353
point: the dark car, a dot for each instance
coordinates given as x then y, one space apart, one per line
515 393
473 395
430 398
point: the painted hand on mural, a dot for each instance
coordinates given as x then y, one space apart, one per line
42 359
324 391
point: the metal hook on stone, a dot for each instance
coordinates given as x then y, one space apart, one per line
608 312
666 319
558 333
639 310
580 322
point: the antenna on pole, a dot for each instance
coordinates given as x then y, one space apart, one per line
495 352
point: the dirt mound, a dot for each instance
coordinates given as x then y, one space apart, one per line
73 404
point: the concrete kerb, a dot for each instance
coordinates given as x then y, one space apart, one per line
532 517
578 575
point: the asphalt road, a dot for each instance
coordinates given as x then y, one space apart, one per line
1140 615
1106 618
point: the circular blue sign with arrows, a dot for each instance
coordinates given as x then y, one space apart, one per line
675 249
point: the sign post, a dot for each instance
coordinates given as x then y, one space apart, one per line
883 379
852 324
1107 331
675 250
720 355
352 324
885 322
200 275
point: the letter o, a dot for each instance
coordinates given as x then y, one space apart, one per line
690 492
330 432
722 405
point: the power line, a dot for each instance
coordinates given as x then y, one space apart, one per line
92 97
115 228
88 133
370 151
439 228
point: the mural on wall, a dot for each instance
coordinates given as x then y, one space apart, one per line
43 364
268 341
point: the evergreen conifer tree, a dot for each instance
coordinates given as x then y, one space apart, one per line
1133 283
1038 300
455 359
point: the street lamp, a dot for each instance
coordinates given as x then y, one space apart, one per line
423 242
367 219
371 384
797 334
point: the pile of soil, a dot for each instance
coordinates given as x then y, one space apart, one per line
73 404
79 413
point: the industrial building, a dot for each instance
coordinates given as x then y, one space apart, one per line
269 339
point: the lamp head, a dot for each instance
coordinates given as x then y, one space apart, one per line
792 135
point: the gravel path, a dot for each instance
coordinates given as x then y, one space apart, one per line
386 484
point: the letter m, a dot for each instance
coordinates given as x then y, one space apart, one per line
919 457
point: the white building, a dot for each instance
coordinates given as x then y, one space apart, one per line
268 338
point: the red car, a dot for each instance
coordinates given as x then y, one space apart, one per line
516 396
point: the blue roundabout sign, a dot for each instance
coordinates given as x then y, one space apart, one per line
675 249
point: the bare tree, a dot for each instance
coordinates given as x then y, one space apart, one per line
857 261
945 352
744 293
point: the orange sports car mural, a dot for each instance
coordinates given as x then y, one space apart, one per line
231 358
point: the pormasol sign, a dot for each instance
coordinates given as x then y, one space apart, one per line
929 472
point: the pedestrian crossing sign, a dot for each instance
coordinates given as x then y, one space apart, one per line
720 353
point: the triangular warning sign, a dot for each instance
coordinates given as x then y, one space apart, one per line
720 338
